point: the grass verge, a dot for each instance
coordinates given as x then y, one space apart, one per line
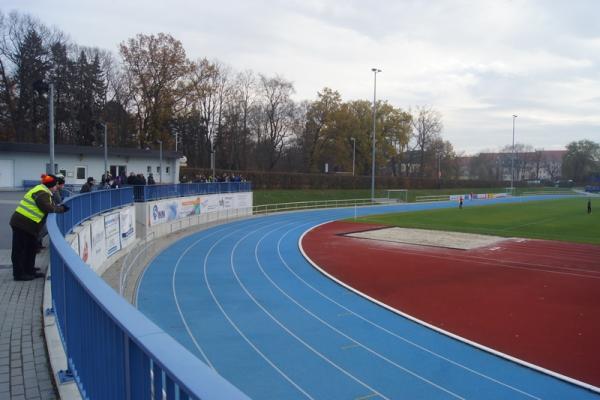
564 219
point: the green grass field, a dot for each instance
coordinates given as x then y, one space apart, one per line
564 219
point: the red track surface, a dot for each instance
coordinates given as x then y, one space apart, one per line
535 300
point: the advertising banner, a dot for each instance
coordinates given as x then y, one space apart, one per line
73 241
112 233
174 209
244 200
163 211
189 206
98 254
127 226
210 203
85 243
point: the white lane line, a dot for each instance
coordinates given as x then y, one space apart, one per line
187 328
387 330
292 334
234 325
369 396
339 332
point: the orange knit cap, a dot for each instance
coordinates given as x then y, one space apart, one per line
48 180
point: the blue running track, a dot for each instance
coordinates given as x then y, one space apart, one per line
243 299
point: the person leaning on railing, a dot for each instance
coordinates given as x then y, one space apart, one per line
26 223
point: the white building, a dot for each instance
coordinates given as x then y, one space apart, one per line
21 162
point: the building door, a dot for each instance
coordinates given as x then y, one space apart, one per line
80 174
118 170
7 173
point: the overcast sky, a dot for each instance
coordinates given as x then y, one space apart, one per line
477 62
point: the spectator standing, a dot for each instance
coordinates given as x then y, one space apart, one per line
58 195
26 223
131 179
87 187
151 179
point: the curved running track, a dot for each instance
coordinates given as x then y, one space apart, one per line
243 299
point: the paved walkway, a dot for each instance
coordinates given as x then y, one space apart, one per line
24 366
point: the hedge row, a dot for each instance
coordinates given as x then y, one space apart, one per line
286 180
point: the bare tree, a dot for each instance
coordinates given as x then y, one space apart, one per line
426 127
277 109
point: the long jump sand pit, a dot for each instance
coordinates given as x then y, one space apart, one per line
424 237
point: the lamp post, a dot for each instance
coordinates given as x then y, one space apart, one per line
353 153
106 153
42 87
161 159
52 170
512 161
375 71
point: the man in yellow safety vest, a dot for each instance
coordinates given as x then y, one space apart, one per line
26 223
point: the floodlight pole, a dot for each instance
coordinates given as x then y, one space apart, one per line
161 159
353 153
375 71
51 169
512 162
105 153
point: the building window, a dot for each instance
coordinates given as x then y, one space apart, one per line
149 169
166 170
118 170
158 170
80 172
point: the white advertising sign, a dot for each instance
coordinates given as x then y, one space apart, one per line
127 226
85 243
98 255
211 203
244 200
112 233
163 211
73 240
189 206
174 209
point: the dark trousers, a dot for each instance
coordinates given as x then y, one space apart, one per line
24 247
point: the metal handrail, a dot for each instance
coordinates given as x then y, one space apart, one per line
306 205
113 350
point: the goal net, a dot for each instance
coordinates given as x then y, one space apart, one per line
398 195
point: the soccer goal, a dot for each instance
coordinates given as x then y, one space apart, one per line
398 195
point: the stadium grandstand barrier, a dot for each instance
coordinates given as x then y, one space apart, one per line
113 350
307 205
548 193
432 198
592 188
143 193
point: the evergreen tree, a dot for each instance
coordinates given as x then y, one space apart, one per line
31 72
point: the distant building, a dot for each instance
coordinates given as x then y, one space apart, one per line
21 162
529 166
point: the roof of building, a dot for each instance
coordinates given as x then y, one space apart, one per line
87 150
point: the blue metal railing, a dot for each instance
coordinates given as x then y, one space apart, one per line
114 351
143 193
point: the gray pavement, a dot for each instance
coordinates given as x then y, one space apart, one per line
24 367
